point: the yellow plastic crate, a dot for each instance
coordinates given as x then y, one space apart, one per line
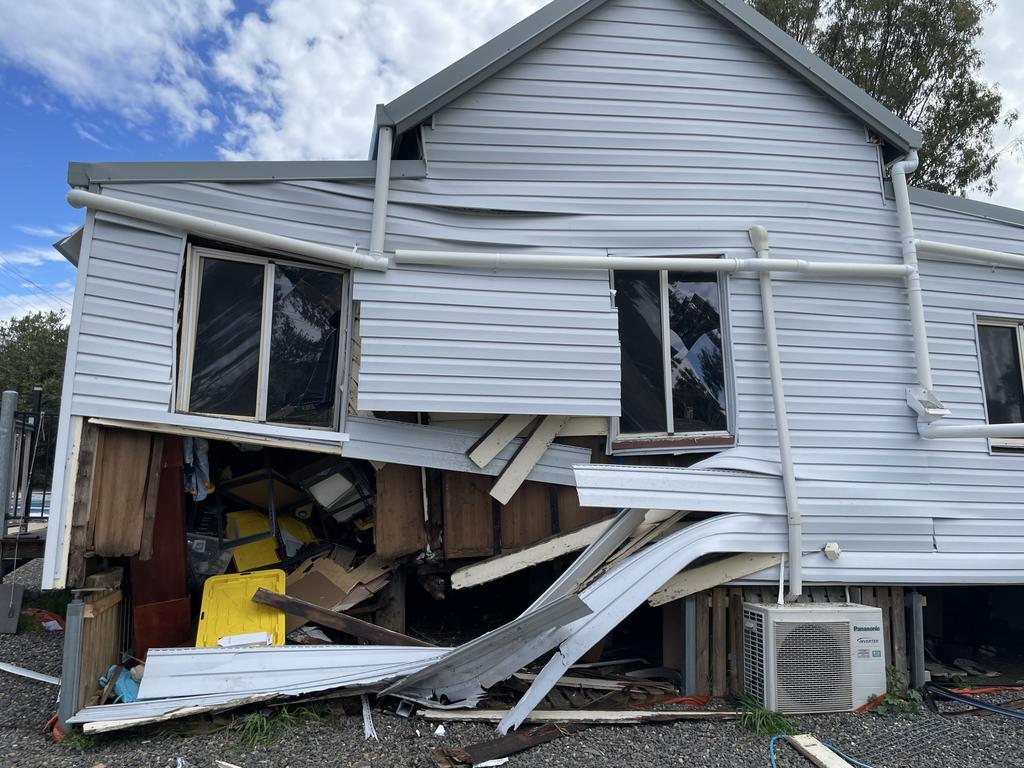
228 608
258 554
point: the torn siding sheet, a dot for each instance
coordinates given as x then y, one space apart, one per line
178 672
486 341
442 448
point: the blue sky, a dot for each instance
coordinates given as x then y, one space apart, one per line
123 80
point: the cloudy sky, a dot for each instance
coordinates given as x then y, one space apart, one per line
124 80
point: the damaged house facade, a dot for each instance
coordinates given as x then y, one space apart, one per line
638 290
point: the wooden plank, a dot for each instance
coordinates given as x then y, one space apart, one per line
719 644
152 493
612 717
702 577
672 636
703 630
884 602
495 439
468 525
820 755
735 641
867 596
100 603
119 491
526 457
526 518
101 643
855 595
82 469
495 749
899 630
398 511
599 684
511 562
571 516
350 625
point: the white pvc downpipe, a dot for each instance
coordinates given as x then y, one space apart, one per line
983 255
381 188
324 254
915 301
675 264
933 431
759 239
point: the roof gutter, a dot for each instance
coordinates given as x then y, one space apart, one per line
324 254
759 239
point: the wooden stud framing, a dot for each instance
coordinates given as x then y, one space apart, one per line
704 577
494 440
526 457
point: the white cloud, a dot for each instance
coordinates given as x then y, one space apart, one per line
88 132
131 57
1001 45
30 256
18 304
309 72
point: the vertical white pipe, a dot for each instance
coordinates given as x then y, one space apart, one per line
908 240
381 187
759 239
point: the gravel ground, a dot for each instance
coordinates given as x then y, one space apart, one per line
30 575
923 741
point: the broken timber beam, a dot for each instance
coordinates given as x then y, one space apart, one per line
339 621
526 458
609 716
503 746
548 549
820 755
703 577
494 440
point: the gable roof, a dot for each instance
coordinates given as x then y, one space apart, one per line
416 105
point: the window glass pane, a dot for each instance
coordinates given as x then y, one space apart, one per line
695 344
1000 365
227 343
304 346
643 389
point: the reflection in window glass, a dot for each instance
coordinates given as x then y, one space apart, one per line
1000 364
695 348
306 323
637 296
227 344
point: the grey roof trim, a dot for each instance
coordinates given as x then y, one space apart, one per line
419 103
84 174
1000 213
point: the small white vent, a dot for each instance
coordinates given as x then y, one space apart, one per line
753 654
812 666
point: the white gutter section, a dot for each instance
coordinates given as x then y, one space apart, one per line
759 239
325 254
381 188
675 264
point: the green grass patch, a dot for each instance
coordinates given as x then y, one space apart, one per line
763 722
260 729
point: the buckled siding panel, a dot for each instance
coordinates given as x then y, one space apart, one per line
479 341
126 345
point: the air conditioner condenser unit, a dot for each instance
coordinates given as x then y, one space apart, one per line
813 657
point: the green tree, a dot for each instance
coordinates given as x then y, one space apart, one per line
920 59
32 351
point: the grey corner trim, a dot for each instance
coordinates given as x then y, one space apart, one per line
976 208
84 174
416 105
817 72
70 246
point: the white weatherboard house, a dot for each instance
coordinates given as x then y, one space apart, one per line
660 222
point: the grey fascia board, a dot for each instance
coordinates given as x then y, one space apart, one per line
416 105
84 174
804 63
976 208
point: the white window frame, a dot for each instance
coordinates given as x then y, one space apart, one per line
1017 323
637 443
190 319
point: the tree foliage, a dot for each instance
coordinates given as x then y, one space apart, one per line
920 59
32 351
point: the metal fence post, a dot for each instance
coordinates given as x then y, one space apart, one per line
8 405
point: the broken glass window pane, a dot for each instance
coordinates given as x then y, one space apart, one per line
695 349
306 324
637 296
1000 363
226 359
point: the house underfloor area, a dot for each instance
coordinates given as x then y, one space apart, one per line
213 580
